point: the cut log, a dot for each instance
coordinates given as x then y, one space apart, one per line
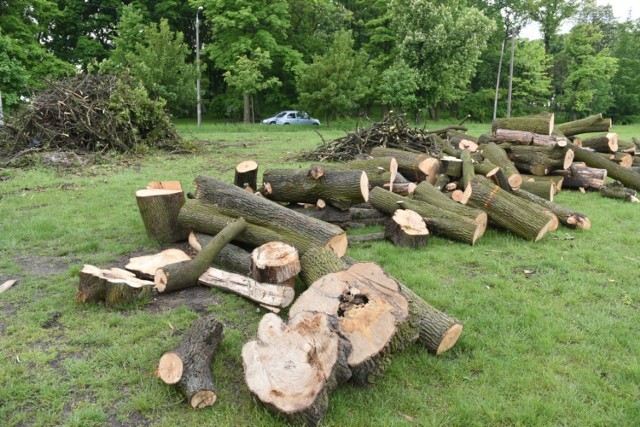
441 181
615 190
607 143
159 210
451 166
520 216
627 177
404 188
623 159
293 367
341 189
339 217
498 157
556 180
428 193
164 185
188 366
589 124
246 176
485 168
371 313
518 137
296 229
266 294
276 263
111 287
184 274
579 175
540 123
406 229
231 257
413 166
439 221
468 170
545 189
566 216
437 331
538 160
145 266
625 146
369 237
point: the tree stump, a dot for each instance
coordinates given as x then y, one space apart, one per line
159 208
246 176
276 263
188 366
406 229
111 287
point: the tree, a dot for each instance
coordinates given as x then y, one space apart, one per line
398 86
442 41
627 79
531 82
551 14
246 77
334 82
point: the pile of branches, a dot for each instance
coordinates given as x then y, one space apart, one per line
391 132
88 112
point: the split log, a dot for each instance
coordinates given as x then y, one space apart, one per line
499 157
246 176
623 159
231 257
616 190
566 216
111 287
413 166
439 221
406 229
184 274
294 228
520 216
293 367
428 193
607 143
341 189
145 266
595 123
268 295
159 210
538 160
539 123
188 366
372 314
437 331
628 178
276 263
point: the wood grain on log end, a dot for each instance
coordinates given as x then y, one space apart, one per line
164 185
275 262
338 244
364 186
170 368
449 338
515 181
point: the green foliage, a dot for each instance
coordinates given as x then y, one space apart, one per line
531 82
550 15
335 81
626 82
398 86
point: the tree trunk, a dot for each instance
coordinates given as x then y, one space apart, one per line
293 367
566 216
173 277
522 217
246 176
518 137
406 229
159 210
145 266
276 263
296 229
627 177
414 167
339 217
111 287
541 123
188 366
231 257
587 125
451 166
439 221
246 109
498 157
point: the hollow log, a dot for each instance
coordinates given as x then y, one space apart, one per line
260 211
520 216
616 190
188 366
111 287
499 157
566 216
539 123
439 221
341 189
246 176
437 331
231 257
595 123
145 266
539 160
159 210
173 277
607 143
276 263
627 177
413 166
428 193
293 367
406 229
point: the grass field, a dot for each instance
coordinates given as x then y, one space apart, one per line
551 338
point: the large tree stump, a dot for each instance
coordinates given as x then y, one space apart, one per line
371 311
188 366
145 266
539 123
293 367
246 176
234 202
589 124
111 287
406 229
159 208
173 277
277 263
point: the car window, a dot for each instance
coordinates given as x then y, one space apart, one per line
305 116
280 114
291 115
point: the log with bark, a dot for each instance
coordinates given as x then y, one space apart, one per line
292 367
110 287
159 205
623 159
607 143
439 221
451 166
246 176
368 237
341 189
518 137
413 166
428 193
188 366
372 314
566 216
184 274
616 190
627 177
580 176
406 229
626 146
276 263
145 266
437 331
522 217
538 160
293 228
539 123
496 155
543 188
341 218
231 257
595 123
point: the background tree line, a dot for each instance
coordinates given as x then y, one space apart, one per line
333 57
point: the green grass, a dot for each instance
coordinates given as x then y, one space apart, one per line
558 346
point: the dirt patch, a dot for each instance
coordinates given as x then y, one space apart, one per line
45 265
197 299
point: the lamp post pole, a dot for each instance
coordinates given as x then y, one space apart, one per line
198 65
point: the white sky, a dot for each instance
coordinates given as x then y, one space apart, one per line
621 10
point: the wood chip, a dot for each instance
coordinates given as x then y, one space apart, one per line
7 285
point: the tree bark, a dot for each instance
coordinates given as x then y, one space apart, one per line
625 176
607 143
623 159
587 125
276 263
538 160
111 287
231 257
406 229
339 217
414 167
517 137
541 123
246 176
545 189
566 216
188 366
498 157
159 210
615 190
428 193
579 175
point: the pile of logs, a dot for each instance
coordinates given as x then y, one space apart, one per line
282 244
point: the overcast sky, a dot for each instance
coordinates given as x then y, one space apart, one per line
621 9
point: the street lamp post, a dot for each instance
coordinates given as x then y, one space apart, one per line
198 65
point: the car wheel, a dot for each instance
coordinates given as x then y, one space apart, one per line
316 124
286 124
272 123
